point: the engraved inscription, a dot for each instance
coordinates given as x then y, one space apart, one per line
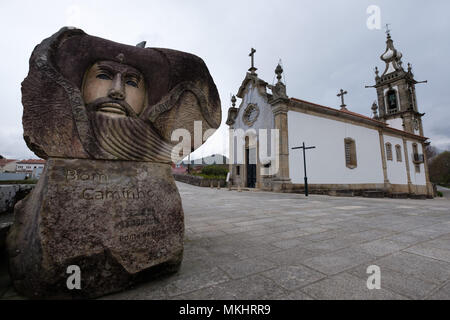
147 218
77 175
107 194
154 234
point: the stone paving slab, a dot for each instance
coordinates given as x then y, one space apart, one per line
347 287
442 293
401 283
258 245
411 264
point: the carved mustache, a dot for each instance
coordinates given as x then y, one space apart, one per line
106 104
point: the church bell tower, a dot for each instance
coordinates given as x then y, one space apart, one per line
397 103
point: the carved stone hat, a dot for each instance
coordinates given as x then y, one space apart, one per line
56 122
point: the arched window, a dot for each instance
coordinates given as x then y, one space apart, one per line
388 151
350 153
416 157
415 150
398 151
391 97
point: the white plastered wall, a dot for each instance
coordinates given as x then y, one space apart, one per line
396 123
326 164
416 178
265 120
396 170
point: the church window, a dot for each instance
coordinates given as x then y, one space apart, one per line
350 153
417 158
417 168
415 150
398 151
392 101
388 151
238 170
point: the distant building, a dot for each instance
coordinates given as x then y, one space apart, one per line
179 168
8 165
36 174
212 159
28 166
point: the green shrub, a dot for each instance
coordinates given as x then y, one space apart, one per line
215 170
440 194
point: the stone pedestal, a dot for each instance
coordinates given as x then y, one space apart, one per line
118 221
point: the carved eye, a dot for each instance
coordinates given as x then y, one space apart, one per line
132 83
103 76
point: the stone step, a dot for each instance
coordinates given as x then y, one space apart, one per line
342 193
399 195
418 196
373 194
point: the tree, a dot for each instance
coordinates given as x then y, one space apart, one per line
431 151
440 169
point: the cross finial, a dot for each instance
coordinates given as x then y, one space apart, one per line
375 110
341 94
252 55
388 31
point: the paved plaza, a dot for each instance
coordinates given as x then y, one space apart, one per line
259 245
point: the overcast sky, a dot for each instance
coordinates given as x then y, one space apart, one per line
324 46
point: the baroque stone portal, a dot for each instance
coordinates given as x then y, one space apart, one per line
102 113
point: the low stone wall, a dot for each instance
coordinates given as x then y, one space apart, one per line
199 181
10 194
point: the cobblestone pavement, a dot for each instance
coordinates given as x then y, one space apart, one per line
259 245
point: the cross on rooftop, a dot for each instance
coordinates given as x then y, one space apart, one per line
252 55
343 105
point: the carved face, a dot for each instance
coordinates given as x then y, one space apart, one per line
114 89
124 102
115 99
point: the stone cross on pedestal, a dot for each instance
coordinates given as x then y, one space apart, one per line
252 55
304 163
343 105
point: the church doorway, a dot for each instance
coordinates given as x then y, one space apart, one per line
251 168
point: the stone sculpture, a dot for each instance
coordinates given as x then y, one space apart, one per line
102 113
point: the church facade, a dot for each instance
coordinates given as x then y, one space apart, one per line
380 155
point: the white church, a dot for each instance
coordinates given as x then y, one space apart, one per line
381 155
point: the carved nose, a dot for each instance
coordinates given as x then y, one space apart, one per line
117 91
116 94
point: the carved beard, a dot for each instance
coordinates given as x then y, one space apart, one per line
128 138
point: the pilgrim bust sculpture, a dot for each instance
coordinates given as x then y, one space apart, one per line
102 114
